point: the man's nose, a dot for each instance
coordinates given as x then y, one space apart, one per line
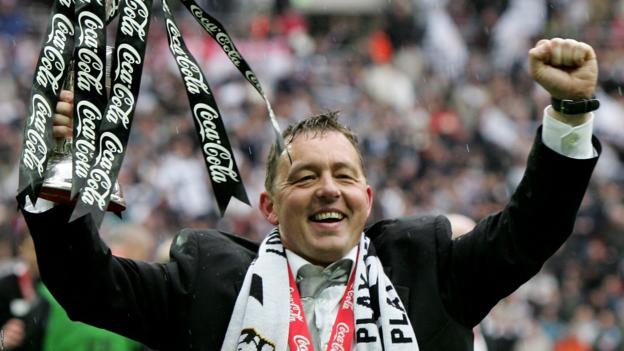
328 189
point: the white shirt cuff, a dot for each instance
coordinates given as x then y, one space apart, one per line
41 206
573 142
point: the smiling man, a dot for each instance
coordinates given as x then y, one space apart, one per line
317 192
320 280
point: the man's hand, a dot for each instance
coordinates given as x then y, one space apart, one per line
567 69
62 124
14 333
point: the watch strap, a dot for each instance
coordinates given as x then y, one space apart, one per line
574 107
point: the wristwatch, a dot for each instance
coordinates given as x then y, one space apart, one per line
574 107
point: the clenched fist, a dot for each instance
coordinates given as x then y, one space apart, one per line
566 68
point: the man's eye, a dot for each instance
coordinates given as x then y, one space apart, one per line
304 179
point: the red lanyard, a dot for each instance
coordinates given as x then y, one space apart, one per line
342 331
26 285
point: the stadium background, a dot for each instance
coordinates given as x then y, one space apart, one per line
439 94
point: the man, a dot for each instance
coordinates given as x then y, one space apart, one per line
404 285
32 320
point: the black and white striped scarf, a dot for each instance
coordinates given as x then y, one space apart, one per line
260 321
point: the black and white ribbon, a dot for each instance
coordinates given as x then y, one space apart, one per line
114 131
216 30
224 174
50 71
89 87
218 155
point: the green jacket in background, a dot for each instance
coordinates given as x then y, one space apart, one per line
63 334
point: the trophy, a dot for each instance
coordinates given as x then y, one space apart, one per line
57 184
90 163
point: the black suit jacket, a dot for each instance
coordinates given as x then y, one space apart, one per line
446 285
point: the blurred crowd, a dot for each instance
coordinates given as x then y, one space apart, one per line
439 94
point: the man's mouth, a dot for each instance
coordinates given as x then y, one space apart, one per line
327 217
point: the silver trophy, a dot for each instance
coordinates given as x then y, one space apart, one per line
57 183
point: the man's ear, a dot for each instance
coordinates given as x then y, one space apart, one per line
369 195
267 207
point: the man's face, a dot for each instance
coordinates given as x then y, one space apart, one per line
321 201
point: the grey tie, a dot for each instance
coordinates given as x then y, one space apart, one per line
311 280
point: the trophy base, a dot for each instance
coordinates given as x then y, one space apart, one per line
57 184
61 196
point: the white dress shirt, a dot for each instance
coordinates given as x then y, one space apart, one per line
327 301
574 142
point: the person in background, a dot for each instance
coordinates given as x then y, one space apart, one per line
32 320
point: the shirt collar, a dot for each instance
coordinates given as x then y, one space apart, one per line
296 262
